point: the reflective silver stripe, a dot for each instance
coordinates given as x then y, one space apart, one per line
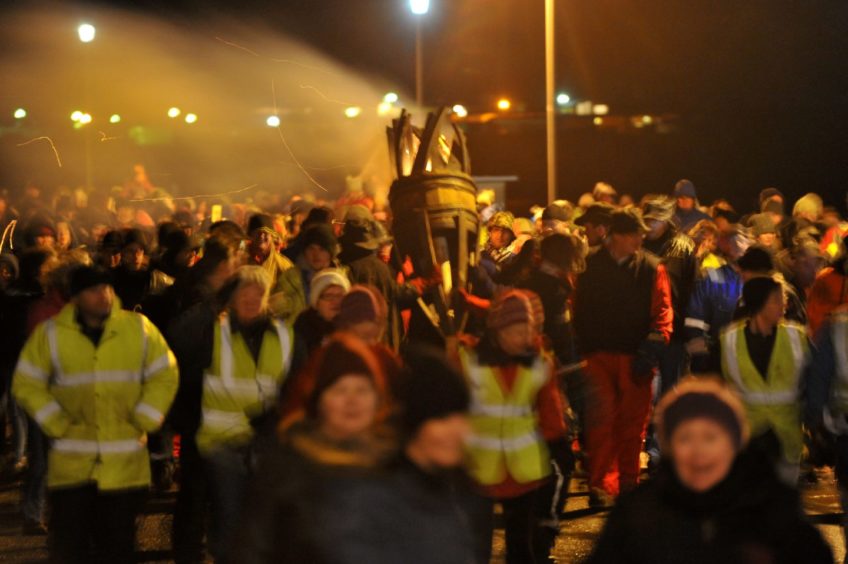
218 418
92 447
226 350
32 371
53 345
285 344
797 350
98 376
697 323
144 372
496 443
729 339
769 398
267 387
501 410
157 365
47 411
240 388
149 411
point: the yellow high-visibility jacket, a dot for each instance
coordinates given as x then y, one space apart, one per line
770 402
97 404
236 389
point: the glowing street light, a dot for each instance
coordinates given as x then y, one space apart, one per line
504 104
460 111
85 118
391 98
563 99
419 7
174 112
20 113
384 108
86 33
114 118
191 118
273 121
352 112
76 116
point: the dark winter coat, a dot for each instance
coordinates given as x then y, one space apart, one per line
750 517
677 253
312 328
554 290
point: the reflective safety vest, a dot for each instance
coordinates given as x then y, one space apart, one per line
839 335
97 402
505 436
237 389
771 402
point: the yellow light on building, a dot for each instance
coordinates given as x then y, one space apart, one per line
647 120
191 118
85 118
114 118
76 115
20 113
352 112
598 121
504 104
600 109
174 112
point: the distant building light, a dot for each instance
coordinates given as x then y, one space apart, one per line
384 108
85 118
563 99
273 121
647 120
460 111
419 7
391 98
191 118
584 108
352 111
20 113
174 112
598 121
86 33
504 104
76 115
114 118
600 109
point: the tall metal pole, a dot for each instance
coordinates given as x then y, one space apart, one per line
419 65
550 102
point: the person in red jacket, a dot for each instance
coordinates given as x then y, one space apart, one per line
623 319
829 291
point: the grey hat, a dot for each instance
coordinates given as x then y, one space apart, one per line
685 188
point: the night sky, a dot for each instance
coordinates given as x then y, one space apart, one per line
758 85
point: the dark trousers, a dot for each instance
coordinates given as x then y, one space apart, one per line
190 511
34 488
530 525
87 525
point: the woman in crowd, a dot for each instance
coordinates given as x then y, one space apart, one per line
710 501
316 323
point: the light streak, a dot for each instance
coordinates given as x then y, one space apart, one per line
52 146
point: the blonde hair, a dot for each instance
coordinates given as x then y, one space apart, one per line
253 275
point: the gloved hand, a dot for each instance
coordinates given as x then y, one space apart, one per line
648 355
560 451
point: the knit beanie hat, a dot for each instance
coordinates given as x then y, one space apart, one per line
516 306
685 188
321 234
703 398
86 277
430 388
341 356
362 303
761 224
757 259
323 279
756 292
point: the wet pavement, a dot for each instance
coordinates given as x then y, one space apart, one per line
580 525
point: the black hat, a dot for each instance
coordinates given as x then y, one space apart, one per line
321 234
628 220
757 258
771 192
773 206
556 212
86 277
756 292
599 213
430 388
684 188
258 221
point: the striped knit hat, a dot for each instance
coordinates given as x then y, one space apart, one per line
516 306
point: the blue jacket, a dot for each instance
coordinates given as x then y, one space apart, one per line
711 308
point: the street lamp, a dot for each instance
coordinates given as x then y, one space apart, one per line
86 33
419 8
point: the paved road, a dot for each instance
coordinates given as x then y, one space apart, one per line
579 529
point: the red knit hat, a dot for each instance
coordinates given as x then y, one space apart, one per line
362 303
516 306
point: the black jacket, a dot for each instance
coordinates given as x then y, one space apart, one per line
554 291
677 253
749 517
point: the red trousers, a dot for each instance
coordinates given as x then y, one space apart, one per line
617 410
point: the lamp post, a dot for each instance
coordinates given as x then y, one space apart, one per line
419 8
550 100
86 33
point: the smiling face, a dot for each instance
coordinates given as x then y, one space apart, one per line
348 408
702 452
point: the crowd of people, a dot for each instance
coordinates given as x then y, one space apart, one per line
274 361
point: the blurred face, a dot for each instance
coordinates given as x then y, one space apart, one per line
63 236
440 443
623 245
95 302
317 257
46 241
329 302
766 239
517 339
702 452
773 309
6 275
369 331
685 203
500 237
248 303
595 234
348 408
657 229
132 257
261 242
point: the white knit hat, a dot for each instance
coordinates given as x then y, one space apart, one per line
323 279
